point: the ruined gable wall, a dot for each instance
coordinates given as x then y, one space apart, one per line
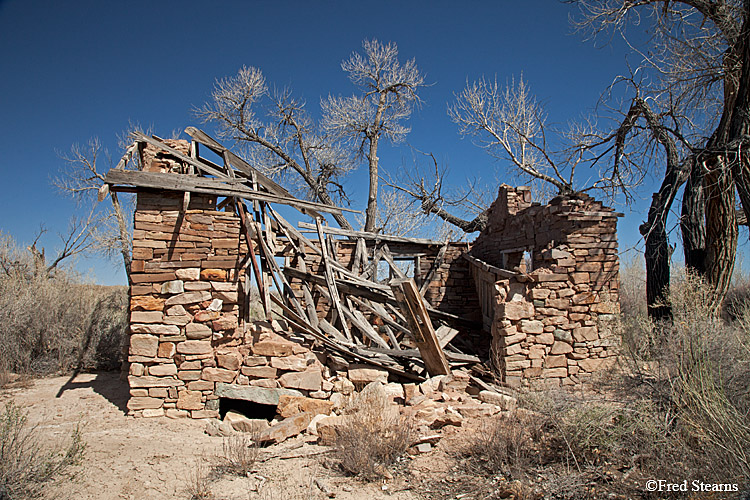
551 324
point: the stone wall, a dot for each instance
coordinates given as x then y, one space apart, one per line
551 317
189 339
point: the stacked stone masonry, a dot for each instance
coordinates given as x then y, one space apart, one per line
192 343
552 318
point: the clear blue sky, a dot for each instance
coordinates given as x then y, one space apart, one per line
79 69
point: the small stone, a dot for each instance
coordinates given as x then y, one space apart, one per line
310 380
162 370
166 350
505 402
146 303
292 405
343 385
229 360
189 400
241 423
213 275
424 447
225 322
155 329
365 374
142 403
218 375
561 348
290 363
195 331
188 274
172 287
194 347
146 317
328 429
215 305
259 371
143 345
204 316
273 348
286 428
188 298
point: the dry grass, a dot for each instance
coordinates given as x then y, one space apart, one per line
679 409
240 453
51 324
373 437
199 484
26 465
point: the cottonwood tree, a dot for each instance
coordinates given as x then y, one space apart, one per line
316 157
699 58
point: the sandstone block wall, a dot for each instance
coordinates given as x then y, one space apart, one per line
189 342
551 320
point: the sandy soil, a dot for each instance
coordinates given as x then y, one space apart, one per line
159 458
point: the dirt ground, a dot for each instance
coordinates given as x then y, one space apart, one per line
159 458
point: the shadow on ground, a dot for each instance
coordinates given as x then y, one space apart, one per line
106 384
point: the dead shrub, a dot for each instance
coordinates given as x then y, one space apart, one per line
373 437
240 452
507 445
198 484
25 464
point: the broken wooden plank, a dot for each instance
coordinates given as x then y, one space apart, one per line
221 187
379 311
505 273
330 282
445 334
413 306
371 236
242 212
361 324
342 349
415 354
293 232
391 262
190 161
348 287
208 141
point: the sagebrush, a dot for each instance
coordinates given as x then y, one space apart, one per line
373 437
54 321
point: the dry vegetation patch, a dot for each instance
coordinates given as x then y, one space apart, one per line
27 463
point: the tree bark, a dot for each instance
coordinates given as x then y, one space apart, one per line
693 222
721 232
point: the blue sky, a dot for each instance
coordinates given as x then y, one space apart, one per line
80 69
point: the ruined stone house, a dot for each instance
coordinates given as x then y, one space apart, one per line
534 296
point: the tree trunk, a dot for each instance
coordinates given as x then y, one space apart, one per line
372 197
693 222
657 272
721 231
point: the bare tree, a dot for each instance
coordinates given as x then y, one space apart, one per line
82 179
426 187
289 145
389 93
